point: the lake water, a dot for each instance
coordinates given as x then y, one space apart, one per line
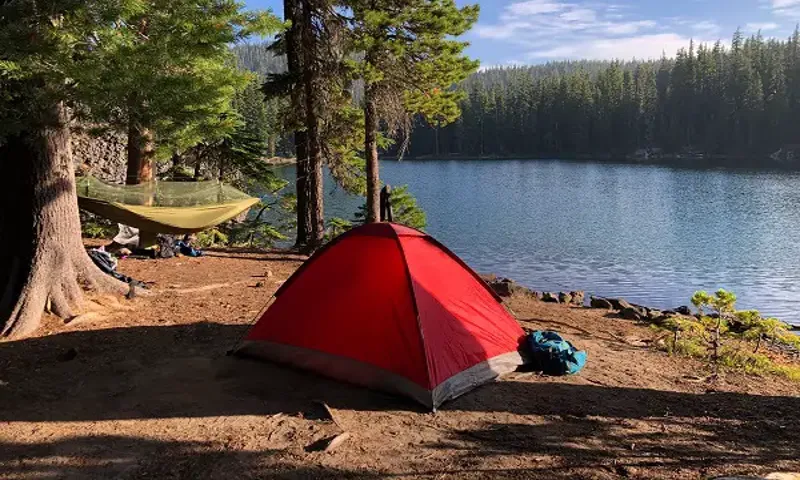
651 234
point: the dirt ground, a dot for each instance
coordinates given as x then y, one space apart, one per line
150 393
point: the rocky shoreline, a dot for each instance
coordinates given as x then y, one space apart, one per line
505 287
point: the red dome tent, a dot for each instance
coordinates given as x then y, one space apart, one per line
390 308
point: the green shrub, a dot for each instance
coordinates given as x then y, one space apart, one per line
93 226
212 237
728 339
336 227
405 210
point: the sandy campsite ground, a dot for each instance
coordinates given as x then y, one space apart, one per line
148 392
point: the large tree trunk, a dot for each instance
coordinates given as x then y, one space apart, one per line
371 151
141 154
43 264
294 47
312 101
302 171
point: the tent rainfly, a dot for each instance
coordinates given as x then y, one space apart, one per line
388 307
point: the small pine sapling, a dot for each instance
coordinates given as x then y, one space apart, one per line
721 308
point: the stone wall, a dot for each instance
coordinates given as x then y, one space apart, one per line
104 157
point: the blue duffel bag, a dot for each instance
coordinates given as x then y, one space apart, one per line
551 354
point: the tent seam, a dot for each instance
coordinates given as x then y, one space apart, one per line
413 292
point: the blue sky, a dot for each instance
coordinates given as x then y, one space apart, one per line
535 31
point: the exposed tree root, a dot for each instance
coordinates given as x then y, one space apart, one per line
59 277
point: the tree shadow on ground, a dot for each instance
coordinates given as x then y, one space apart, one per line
596 443
618 430
182 372
148 363
111 456
127 457
158 372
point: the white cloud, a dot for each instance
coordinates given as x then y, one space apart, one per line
629 27
597 29
706 26
641 47
778 4
579 15
786 8
535 7
754 27
500 32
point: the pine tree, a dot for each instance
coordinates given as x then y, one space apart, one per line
166 76
42 260
410 64
50 55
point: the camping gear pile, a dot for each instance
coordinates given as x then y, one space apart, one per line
108 265
390 308
552 355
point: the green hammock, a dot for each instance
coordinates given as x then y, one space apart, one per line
164 207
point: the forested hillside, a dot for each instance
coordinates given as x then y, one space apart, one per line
737 100
257 58
710 99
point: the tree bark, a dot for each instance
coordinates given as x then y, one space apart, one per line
302 171
312 102
371 124
292 11
141 154
43 264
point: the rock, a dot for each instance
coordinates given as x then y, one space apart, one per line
578 298
600 302
268 274
260 284
653 314
535 294
328 444
503 287
550 297
619 303
683 310
631 313
564 297
104 156
337 440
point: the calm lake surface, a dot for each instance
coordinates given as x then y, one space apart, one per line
651 234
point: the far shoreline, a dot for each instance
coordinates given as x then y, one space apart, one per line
677 160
